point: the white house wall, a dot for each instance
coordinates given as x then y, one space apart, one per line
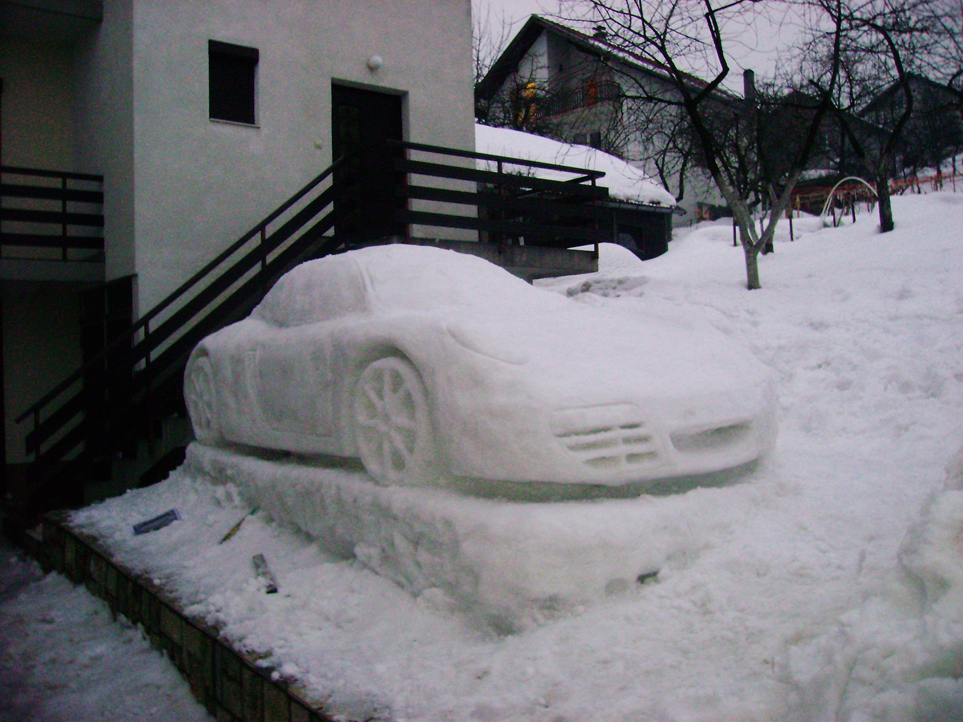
198 184
569 66
38 129
533 67
104 140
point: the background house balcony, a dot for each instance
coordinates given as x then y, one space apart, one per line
586 96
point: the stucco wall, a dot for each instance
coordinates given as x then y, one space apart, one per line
534 66
199 184
37 132
103 108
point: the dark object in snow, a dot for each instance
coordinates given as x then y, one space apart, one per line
234 529
262 571
158 522
643 578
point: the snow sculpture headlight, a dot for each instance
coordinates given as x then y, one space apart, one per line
485 343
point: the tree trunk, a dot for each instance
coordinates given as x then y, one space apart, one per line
752 267
885 205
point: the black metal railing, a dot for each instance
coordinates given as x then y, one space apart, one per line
504 200
583 97
42 210
74 427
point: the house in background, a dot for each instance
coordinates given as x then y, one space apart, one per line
934 132
928 146
555 81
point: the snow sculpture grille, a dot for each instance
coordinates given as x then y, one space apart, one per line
607 437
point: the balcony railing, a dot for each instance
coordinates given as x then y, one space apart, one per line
51 215
584 97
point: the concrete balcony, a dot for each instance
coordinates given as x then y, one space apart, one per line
65 20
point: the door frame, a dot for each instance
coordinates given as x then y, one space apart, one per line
396 102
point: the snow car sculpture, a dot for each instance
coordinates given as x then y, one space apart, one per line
426 363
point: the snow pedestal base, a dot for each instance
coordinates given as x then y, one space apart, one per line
513 561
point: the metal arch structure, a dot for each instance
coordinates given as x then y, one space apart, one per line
832 194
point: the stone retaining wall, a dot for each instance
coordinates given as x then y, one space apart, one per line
228 683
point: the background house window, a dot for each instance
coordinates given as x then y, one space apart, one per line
593 139
232 74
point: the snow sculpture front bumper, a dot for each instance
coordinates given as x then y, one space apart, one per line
608 438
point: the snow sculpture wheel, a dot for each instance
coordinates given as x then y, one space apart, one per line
201 400
393 429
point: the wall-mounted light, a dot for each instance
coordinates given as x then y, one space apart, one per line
374 63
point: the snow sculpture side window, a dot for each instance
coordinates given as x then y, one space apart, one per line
306 296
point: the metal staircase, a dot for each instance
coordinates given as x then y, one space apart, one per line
81 431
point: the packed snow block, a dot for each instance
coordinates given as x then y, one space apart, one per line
422 362
513 561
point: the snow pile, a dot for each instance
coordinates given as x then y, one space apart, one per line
824 585
899 655
624 181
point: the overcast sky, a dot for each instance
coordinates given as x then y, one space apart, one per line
515 12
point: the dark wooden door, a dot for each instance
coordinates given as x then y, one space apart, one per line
362 122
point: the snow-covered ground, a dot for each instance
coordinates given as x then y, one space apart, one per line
833 591
63 658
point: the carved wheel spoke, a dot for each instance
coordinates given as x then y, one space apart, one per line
392 422
201 400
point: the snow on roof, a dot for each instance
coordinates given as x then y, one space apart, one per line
624 181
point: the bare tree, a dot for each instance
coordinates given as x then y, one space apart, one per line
650 128
521 103
944 64
944 60
489 38
721 131
883 42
